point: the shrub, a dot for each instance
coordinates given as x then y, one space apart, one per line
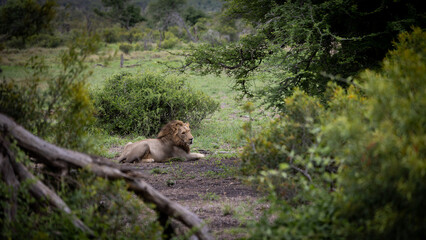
170 41
378 139
111 35
126 47
143 103
45 40
286 139
56 107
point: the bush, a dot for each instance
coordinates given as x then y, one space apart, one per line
55 107
286 139
45 40
378 139
126 48
170 41
111 35
142 103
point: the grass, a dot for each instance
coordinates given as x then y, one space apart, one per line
219 132
209 196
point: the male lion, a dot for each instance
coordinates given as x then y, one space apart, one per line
172 142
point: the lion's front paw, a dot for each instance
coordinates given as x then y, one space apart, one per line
199 155
149 160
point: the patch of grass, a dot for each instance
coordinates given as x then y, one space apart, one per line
227 210
221 170
209 196
176 170
158 170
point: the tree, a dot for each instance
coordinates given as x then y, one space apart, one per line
376 133
167 13
298 40
121 11
24 18
191 15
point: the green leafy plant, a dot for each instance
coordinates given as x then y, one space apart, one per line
376 134
54 106
170 41
142 103
126 48
209 196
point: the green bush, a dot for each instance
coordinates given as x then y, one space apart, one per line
377 136
285 139
285 144
45 40
126 47
111 35
170 41
143 103
55 107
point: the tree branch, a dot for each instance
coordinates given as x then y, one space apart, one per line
53 154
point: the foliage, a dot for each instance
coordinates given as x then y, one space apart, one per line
54 106
105 207
377 137
299 40
191 15
45 40
142 103
168 13
24 18
111 35
170 41
126 47
121 11
286 140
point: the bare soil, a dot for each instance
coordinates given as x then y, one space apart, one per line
210 188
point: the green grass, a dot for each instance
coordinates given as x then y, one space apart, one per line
219 132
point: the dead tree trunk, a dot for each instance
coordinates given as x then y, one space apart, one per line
58 157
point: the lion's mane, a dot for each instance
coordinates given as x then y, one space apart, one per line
169 133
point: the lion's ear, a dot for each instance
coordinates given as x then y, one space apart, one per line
187 124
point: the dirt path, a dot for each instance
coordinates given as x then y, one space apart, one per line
207 187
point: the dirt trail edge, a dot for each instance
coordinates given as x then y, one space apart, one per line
207 187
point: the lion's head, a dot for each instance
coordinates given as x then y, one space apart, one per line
177 132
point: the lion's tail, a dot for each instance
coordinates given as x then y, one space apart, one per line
123 155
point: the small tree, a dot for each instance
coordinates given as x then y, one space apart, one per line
167 13
24 18
121 11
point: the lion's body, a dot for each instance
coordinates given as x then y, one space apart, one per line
172 142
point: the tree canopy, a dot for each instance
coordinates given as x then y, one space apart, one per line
121 11
298 42
24 18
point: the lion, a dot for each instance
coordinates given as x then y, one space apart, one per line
173 141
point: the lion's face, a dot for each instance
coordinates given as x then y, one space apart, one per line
177 132
184 133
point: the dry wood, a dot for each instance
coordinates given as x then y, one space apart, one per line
55 156
41 191
10 179
10 170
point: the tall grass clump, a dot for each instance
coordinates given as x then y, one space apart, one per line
142 103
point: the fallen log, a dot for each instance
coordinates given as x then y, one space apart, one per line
12 171
55 156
